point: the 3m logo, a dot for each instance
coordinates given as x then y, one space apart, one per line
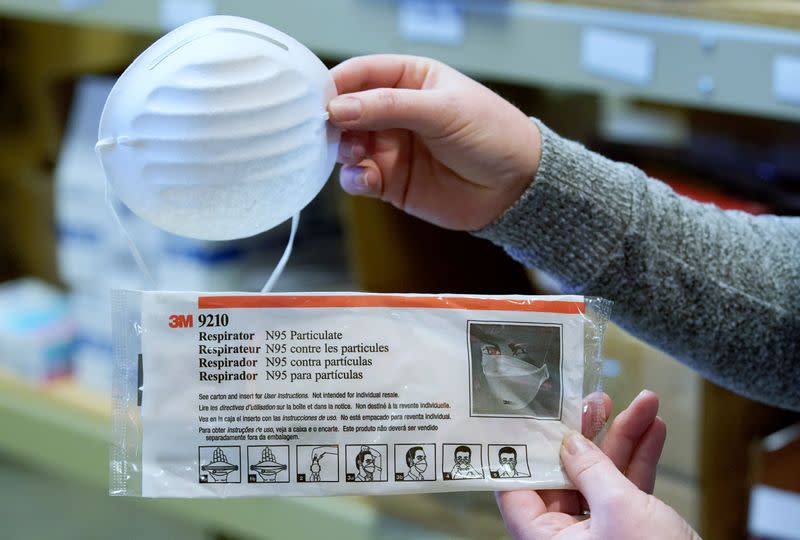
181 321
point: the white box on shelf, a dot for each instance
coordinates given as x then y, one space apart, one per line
36 330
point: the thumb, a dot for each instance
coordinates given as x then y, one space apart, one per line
422 111
592 472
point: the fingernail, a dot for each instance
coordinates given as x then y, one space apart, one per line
355 179
594 402
641 394
345 109
575 443
362 181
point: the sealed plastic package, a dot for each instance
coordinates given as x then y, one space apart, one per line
225 395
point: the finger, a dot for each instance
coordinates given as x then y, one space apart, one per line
386 168
422 111
527 518
364 179
353 147
593 473
381 71
561 500
628 427
519 509
596 410
642 468
551 525
581 530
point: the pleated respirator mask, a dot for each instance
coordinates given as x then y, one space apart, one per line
219 131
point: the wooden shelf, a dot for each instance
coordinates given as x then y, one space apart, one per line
785 14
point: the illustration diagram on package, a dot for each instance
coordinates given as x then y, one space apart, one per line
268 464
515 369
365 463
417 460
318 463
462 461
220 464
508 461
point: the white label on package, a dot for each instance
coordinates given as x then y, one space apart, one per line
326 394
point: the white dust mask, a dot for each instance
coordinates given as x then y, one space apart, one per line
513 382
219 130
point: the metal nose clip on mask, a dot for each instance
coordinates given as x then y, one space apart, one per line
219 131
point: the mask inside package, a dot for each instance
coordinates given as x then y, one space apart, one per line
229 395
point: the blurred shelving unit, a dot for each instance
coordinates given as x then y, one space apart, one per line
768 12
678 52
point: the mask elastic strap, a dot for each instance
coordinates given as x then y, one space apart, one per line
276 273
137 255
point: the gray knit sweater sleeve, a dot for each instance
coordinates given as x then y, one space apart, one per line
719 290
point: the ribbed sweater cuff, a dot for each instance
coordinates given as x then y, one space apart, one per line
573 217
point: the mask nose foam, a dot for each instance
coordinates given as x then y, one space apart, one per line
512 381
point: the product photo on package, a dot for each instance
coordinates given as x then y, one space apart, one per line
236 394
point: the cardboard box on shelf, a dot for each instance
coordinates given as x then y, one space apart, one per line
26 216
775 495
775 13
631 366
681 494
391 251
36 330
